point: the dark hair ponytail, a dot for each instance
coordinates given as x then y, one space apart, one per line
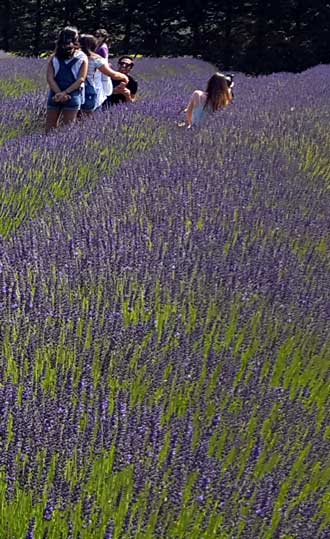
88 43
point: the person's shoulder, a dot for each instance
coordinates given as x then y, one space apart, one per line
98 60
101 51
199 97
132 82
53 61
80 55
104 48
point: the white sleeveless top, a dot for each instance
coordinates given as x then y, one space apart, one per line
199 112
96 79
75 68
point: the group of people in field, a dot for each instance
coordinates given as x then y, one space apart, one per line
81 81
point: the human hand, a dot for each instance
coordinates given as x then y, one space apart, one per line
122 90
61 97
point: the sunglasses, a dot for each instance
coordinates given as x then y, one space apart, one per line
125 64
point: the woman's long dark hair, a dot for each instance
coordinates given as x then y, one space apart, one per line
218 93
88 43
68 35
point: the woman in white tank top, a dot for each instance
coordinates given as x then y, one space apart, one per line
94 91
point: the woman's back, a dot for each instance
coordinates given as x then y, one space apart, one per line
94 62
94 86
202 104
200 112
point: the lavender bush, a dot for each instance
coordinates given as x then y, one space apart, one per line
164 312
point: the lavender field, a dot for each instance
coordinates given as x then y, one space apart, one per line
165 312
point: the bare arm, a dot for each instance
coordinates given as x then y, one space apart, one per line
189 110
51 76
116 75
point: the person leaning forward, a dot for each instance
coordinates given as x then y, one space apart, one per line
123 93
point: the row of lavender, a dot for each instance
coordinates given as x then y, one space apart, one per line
164 310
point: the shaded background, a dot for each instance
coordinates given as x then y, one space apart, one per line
253 36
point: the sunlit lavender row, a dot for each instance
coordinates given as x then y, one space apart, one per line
164 312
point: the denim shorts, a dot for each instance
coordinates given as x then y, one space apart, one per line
90 99
72 104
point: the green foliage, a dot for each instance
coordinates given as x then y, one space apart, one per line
17 87
291 36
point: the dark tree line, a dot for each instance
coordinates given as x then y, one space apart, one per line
255 36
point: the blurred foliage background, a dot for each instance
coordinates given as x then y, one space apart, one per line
253 36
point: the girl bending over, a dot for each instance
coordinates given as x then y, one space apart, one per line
216 96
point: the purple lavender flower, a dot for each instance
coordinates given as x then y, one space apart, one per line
30 530
164 305
48 512
109 532
256 451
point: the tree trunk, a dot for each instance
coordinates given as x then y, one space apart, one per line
6 29
158 38
37 28
196 38
227 53
98 13
128 29
260 28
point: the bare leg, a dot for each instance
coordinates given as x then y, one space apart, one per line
52 117
87 113
69 116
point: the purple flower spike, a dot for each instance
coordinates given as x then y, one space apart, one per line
109 530
256 451
31 527
48 512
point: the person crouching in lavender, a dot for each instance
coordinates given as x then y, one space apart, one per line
124 93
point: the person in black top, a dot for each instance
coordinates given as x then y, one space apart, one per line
124 93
